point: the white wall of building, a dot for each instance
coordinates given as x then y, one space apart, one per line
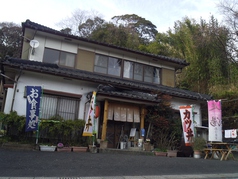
8 101
199 130
70 86
50 83
176 102
73 48
53 44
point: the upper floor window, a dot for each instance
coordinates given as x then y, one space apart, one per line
141 72
132 70
107 65
59 57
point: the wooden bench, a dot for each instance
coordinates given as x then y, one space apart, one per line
213 151
230 154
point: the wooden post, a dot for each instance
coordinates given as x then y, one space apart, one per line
104 125
142 119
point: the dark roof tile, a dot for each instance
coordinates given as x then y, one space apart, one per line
41 67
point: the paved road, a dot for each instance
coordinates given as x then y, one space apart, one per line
67 165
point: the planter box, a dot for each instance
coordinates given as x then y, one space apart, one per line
172 153
163 154
47 148
147 146
103 144
79 149
64 149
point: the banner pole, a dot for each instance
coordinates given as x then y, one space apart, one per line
94 127
38 123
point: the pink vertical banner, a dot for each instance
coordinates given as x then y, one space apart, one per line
186 114
214 120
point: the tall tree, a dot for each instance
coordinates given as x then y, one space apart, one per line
129 31
202 46
86 29
229 10
162 45
144 28
77 18
10 39
116 35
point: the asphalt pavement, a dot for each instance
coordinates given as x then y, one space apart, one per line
85 165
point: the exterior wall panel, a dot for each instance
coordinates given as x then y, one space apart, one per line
177 102
168 77
85 60
49 82
38 52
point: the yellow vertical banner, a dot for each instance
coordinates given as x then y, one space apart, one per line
89 127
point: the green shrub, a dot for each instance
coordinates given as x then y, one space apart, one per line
51 131
199 143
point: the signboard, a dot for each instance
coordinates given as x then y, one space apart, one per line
33 94
186 114
214 120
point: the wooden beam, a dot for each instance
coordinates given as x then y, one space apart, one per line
104 125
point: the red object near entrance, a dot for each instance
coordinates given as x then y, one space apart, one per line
97 111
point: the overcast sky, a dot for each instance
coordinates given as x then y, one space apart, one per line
162 13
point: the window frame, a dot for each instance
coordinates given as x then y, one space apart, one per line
153 77
59 96
60 60
107 67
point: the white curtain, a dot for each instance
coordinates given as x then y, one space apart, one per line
123 113
127 67
110 111
136 114
117 113
129 114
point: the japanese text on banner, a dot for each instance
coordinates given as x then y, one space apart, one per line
186 114
33 94
214 120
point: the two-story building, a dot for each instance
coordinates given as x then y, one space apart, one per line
70 68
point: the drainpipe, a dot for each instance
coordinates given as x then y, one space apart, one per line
15 88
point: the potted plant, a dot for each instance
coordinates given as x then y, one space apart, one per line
103 144
160 152
198 145
164 126
62 148
147 145
167 142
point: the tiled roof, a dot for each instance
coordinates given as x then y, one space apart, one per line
38 27
109 90
130 85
